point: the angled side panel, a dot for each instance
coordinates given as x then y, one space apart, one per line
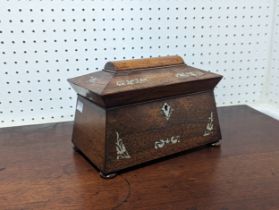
89 131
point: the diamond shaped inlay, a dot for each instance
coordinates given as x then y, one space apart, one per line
166 111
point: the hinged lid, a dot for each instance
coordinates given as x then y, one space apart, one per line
138 80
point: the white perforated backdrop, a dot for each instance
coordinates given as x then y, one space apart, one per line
273 82
42 43
269 101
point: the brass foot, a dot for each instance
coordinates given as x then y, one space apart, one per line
107 176
216 144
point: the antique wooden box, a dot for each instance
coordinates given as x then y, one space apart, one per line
139 110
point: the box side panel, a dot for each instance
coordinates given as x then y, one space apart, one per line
143 132
89 131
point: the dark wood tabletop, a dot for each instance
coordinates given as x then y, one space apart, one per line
39 170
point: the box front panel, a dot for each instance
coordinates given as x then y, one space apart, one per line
147 131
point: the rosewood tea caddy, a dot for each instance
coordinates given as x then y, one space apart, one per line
139 110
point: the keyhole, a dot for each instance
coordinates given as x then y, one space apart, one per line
166 110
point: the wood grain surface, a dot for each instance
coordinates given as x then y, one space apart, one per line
133 81
141 125
39 170
89 131
143 63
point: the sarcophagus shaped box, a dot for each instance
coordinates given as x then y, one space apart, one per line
139 110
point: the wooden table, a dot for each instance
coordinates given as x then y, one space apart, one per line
39 170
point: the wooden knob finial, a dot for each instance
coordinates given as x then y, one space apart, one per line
143 63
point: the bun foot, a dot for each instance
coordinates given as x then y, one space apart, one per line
216 144
76 149
107 176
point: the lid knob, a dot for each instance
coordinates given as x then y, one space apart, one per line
143 63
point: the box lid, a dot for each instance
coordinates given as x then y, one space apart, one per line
139 80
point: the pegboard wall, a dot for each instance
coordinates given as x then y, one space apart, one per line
42 43
272 91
